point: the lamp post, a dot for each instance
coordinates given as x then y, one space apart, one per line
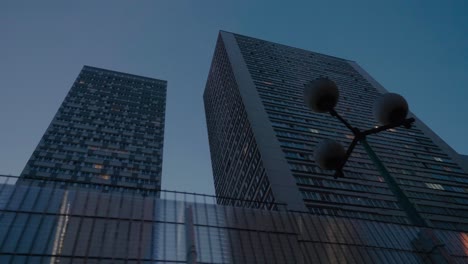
391 110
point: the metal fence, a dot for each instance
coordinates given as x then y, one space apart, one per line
51 222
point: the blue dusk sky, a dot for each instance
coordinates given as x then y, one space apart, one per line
416 48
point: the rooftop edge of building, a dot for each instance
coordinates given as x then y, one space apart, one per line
322 54
120 72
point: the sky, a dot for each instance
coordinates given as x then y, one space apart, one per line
416 48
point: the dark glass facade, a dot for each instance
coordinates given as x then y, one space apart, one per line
108 131
254 106
243 174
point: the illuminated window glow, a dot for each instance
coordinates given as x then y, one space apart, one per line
435 186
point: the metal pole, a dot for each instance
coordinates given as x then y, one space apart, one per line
413 215
426 241
190 236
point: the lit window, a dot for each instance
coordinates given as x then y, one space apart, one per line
98 166
405 172
244 151
391 130
105 177
314 131
438 159
434 186
350 136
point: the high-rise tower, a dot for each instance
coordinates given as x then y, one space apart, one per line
108 131
262 137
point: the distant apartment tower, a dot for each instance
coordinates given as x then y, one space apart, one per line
262 137
108 132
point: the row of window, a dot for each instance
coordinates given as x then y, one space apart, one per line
357 214
131 168
137 119
96 138
91 156
64 172
434 186
56 127
346 199
82 151
127 130
48 143
315 169
91 73
329 183
94 116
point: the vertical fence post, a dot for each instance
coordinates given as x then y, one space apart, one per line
190 236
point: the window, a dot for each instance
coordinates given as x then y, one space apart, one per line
98 166
434 186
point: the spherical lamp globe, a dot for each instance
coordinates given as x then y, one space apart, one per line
390 108
329 155
321 95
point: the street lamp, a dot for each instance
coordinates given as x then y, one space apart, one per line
321 95
390 110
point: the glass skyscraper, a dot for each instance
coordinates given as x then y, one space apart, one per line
262 138
108 133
